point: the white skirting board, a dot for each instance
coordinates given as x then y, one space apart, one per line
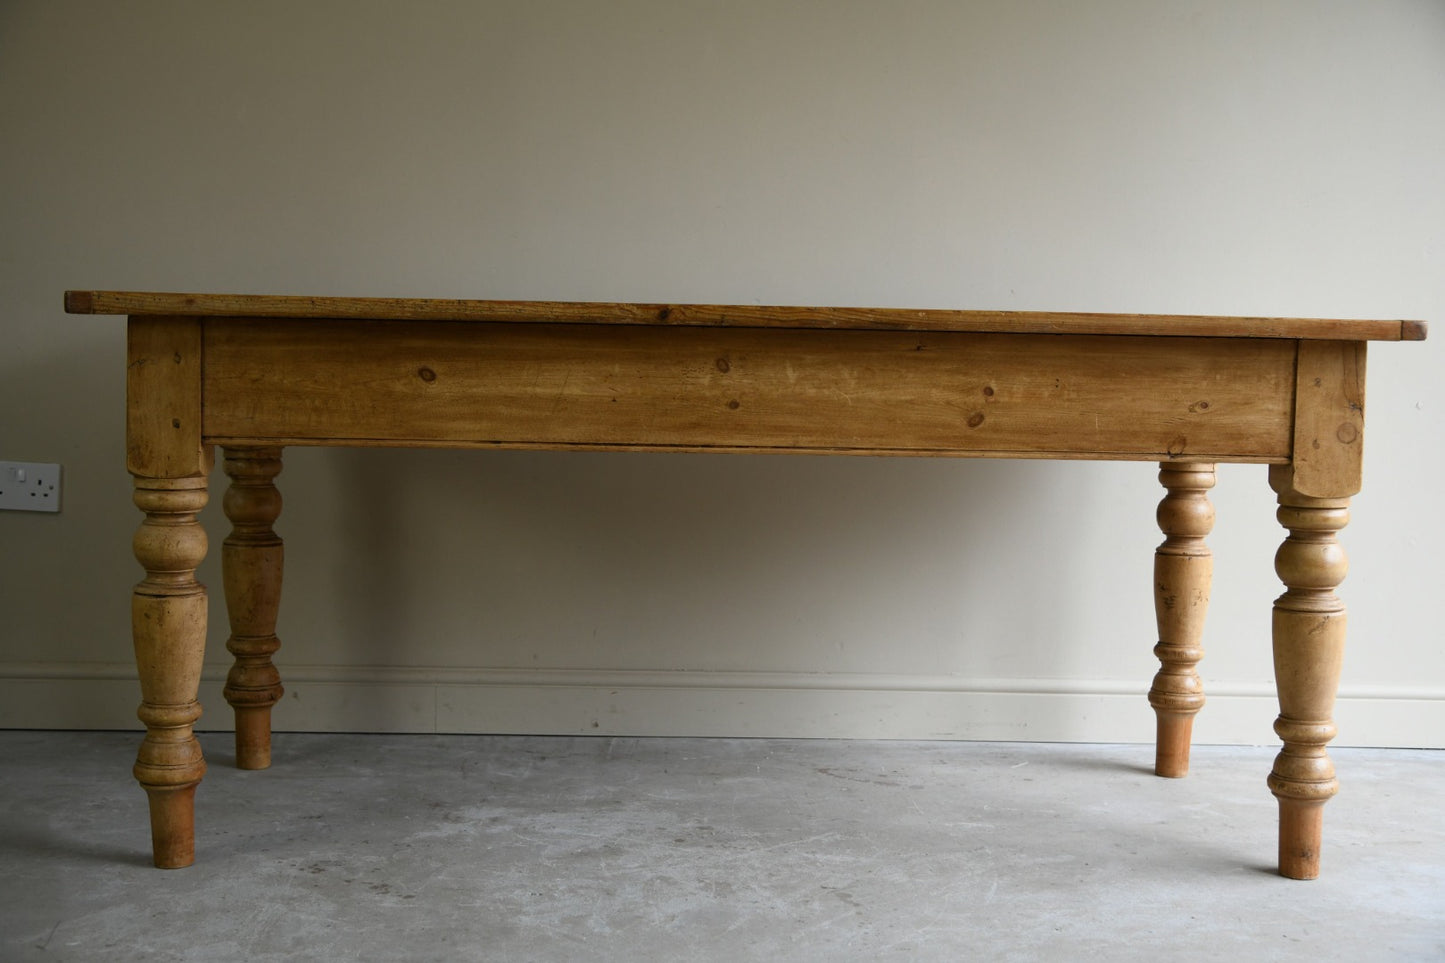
728 704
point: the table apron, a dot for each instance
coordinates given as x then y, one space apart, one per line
573 386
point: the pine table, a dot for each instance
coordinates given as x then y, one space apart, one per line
255 374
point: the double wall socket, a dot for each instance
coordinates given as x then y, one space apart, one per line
28 486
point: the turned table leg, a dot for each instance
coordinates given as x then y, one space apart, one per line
251 561
1183 567
1309 641
168 624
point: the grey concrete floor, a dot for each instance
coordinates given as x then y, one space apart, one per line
507 848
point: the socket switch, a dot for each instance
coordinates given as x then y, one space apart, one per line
28 486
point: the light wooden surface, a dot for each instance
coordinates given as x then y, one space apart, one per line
256 373
1183 570
862 391
136 303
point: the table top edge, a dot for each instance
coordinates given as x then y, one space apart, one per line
147 303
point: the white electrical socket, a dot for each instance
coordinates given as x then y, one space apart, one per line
28 486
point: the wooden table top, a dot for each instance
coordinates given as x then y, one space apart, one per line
739 316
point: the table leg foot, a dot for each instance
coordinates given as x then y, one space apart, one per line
1301 829
1183 571
1173 732
251 563
253 737
173 826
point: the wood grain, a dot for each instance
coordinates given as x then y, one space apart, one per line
713 315
255 373
1183 570
1308 631
252 563
168 629
1329 428
563 386
163 398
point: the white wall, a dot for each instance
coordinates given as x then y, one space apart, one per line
1223 157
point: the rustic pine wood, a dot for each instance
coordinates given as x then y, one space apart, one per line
169 464
255 373
251 564
739 315
570 385
163 397
168 626
1309 644
1183 570
1329 426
